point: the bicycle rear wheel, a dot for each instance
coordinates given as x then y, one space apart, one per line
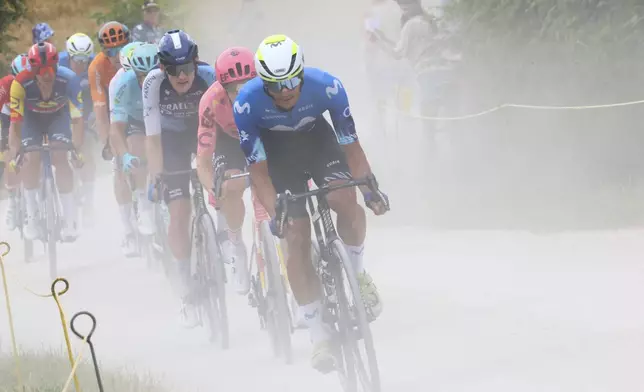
279 316
20 223
211 273
358 351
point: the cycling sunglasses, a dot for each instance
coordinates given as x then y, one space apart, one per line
80 58
175 70
113 52
289 84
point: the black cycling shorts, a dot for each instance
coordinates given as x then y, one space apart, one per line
291 155
134 127
228 152
178 148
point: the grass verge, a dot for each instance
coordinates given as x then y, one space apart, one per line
47 371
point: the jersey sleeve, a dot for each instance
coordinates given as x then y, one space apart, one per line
17 102
119 98
99 97
207 135
338 106
151 110
5 109
75 95
249 131
207 73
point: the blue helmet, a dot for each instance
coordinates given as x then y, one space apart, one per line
19 64
144 58
176 48
41 32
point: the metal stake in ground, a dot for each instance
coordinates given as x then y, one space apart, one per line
88 339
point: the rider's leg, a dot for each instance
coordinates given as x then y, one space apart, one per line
136 146
64 176
330 167
123 196
31 135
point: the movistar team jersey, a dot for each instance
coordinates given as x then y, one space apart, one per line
255 111
164 109
125 97
63 59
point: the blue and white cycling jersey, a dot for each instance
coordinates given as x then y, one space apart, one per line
126 97
254 110
164 109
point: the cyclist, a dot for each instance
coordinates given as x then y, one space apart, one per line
19 64
80 52
149 31
112 38
41 32
127 132
171 96
284 135
42 100
219 139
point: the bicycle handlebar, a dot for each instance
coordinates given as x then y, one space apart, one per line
283 199
18 160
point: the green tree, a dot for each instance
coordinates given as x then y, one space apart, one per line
128 12
11 11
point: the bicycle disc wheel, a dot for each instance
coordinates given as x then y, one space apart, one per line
278 308
52 229
357 343
212 271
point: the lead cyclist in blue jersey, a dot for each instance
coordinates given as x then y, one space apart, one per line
284 135
171 96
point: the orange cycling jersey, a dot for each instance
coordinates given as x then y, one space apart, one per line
100 72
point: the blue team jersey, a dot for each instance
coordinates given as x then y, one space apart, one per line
254 111
164 109
63 60
126 97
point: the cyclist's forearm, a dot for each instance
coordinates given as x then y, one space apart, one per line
117 138
154 154
78 132
263 186
357 162
205 171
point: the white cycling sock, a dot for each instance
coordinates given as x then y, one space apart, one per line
126 217
355 255
69 206
312 315
31 201
88 192
144 203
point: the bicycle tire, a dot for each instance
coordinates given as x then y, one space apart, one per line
280 315
52 228
215 280
369 377
27 243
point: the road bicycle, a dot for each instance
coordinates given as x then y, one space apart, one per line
345 312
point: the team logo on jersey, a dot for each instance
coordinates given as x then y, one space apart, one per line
205 139
207 119
331 91
243 136
242 108
347 112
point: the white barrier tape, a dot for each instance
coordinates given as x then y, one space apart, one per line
520 106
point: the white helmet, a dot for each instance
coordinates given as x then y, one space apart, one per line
80 44
278 58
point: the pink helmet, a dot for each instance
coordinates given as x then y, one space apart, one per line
234 65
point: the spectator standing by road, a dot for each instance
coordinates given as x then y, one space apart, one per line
149 31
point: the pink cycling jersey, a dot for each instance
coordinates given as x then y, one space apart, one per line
215 111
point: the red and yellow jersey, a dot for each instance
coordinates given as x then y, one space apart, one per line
5 89
100 72
26 96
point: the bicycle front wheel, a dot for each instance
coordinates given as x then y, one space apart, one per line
278 308
358 350
211 272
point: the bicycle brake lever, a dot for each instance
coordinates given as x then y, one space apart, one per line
281 210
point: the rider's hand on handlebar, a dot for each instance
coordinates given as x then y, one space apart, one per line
378 202
129 162
274 228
